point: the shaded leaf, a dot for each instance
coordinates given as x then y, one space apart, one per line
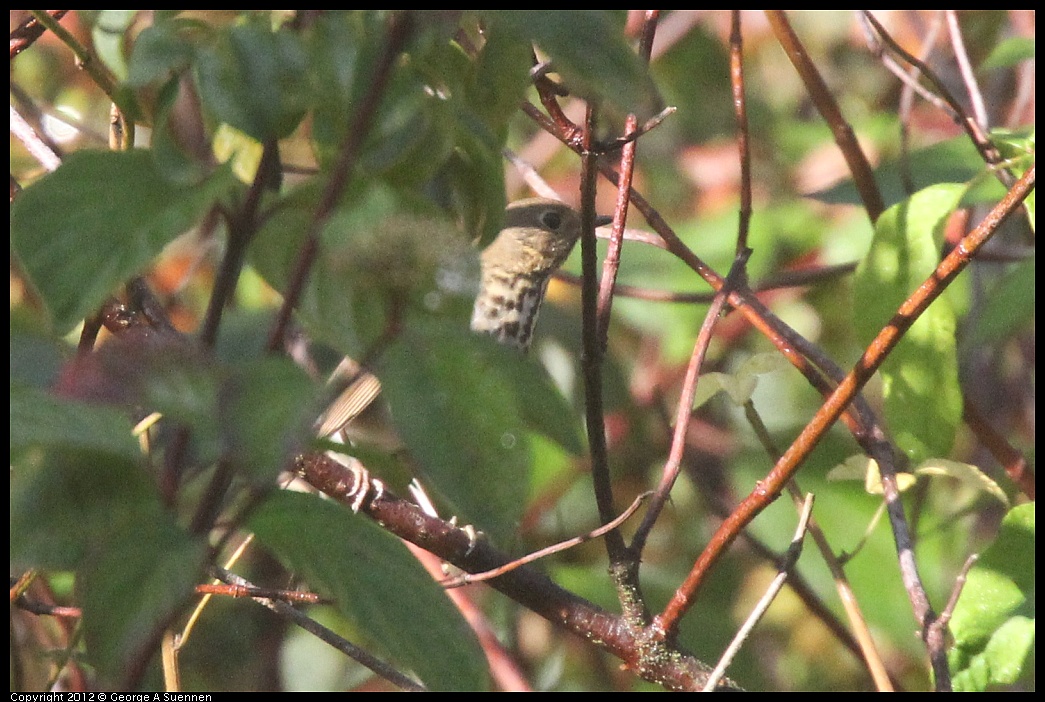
458 414
589 49
38 418
81 231
377 584
250 77
99 514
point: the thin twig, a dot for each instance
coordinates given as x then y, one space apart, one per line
979 138
769 488
863 176
468 578
961 57
670 471
736 82
359 655
593 351
84 58
790 559
861 632
23 36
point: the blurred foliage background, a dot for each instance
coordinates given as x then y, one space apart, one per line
419 160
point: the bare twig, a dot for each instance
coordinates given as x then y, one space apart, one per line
879 349
468 578
790 559
863 177
325 635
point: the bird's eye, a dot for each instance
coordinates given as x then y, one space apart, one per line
551 220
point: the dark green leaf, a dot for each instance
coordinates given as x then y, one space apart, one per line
589 49
267 413
38 418
1008 307
81 231
163 50
458 415
133 585
1009 52
252 78
377 584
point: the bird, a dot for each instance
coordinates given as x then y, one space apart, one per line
537 236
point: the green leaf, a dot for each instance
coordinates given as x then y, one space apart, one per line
41 419
377 584
96 511
953 161
163 50
133 585
1009 52
501 78
542 406
458 415
81 231
589 49
923 401
993 622
253 78
267 411
379 250
1008 307
967 473
741 384
107 35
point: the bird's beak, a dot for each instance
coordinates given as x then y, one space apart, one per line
603 220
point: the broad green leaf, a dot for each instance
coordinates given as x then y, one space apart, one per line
132 586
252 78
501 78
377 584
97 513
1009 52
458 414
164 50
267 410
923 401
540 403
38 418
81 231
993 622
1008 307
588 48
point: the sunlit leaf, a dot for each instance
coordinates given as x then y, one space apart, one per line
923 401
993 622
